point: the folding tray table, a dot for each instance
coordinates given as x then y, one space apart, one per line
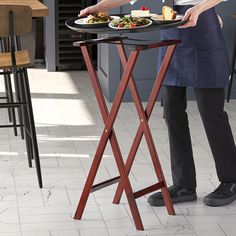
109 117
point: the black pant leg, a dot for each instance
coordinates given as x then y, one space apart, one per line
215 120
182 163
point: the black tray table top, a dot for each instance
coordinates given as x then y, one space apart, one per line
107 30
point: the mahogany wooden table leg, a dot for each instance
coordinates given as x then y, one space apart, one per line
100 98
145 129
102 144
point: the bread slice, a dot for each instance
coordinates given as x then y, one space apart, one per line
168 13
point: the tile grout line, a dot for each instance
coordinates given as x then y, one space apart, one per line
221 229
188 220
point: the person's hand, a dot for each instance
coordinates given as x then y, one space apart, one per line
191 15
87 11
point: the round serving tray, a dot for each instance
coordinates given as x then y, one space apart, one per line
107 30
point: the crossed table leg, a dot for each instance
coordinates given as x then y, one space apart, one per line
109 133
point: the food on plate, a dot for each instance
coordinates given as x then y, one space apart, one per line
130 22
142 12
100 17
168 13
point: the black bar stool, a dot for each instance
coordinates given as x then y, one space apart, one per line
8 87
233 69
16 21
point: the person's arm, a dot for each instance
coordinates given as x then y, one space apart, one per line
193 13
104 5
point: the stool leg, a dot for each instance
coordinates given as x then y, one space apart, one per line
232 70
18 98
6 84
18 90
25 119
32 125
12 117
11 100
7 98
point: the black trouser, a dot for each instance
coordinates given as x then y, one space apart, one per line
211 107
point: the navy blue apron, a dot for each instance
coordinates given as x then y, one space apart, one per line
201 61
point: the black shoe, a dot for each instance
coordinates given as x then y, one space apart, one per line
177 195
223 195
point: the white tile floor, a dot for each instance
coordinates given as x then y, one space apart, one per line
68 128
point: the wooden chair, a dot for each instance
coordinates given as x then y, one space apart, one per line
16 21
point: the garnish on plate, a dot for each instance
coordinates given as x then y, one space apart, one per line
143 8
100 17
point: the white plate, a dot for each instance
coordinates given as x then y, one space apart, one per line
84 22
157 19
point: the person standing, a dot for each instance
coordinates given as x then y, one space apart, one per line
200 62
